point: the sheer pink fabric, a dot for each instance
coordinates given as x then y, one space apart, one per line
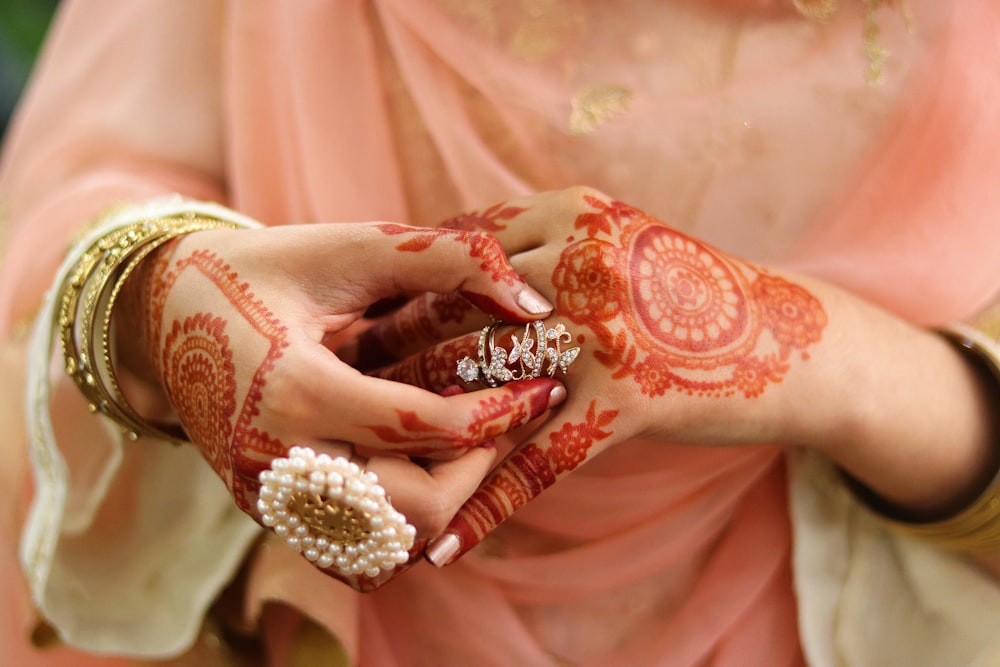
746 125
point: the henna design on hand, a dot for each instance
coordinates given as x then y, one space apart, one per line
195 365
487 220
674 313
493 416
481 246
529 471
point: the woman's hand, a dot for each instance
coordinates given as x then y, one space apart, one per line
685 344
236 327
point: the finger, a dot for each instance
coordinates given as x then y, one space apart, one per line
509 221
427 497
430 496
439 427
425 320
477 268
333 401
530 350
527 471
434 368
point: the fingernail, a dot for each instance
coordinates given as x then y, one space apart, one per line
443 549
557 395
533 302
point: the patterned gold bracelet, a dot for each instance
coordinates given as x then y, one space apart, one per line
85 304
976 529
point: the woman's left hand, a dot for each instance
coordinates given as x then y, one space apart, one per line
685 344
678 341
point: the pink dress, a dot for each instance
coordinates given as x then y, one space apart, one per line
741 123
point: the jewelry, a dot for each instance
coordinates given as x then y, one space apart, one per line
334 513
85 301
494 364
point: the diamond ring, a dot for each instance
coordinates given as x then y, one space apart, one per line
538 350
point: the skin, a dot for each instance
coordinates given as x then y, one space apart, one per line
234 343
698 347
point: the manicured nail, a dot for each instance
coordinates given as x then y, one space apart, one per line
533 302
557 395
443 549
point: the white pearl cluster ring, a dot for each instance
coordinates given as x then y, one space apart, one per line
334 513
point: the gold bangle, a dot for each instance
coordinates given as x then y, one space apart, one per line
86 300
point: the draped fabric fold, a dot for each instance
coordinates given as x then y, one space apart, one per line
741 123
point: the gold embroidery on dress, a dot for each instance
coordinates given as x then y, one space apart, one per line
875 51
593 106
817 10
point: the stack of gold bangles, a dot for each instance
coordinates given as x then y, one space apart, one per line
85 302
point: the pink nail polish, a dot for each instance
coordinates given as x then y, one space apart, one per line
557 395
533 302
442 550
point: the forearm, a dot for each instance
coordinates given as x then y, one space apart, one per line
904 411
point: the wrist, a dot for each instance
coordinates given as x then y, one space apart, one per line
914 423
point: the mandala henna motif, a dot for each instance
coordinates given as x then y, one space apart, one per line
195 363
676 314
200 379
588 281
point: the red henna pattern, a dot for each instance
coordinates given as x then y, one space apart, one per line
571 443
674 313
789 311
589 282
527 473
200 379
493 416
411 322
434 372
481 246
451 307
486 220
197 350
157 288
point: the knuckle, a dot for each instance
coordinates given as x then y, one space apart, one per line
287 398
435 513
576 196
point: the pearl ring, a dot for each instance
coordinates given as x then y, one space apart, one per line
334 513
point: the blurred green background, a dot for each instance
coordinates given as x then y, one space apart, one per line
22 28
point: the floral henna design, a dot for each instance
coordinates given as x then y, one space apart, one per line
481 246
527 473
195 363
676 314
571 443
451 307
488 220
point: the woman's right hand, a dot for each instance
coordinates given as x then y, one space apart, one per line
237 329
